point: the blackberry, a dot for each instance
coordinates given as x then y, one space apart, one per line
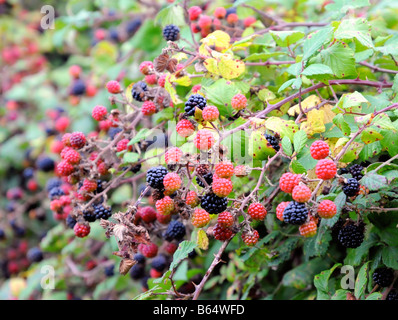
45 164
213 204
229 11
136 168
109 270
89 215
70 221
351 188
2 234
175 230
139 258
344 171
273 141
336 229
102 213
55 193
78 88
208 177
171 32
195 100
193 254
295 213
138 90
142 189
356 171
112 132
53 183
137 271
132 26
144 282
34 255
351 236
114 35
28 173
383 276
100 186
392 295
159 263
202 169
154 177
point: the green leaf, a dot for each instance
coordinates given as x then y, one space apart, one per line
265 95
339 121
286 38
351 102
355 28
340 294
299 140
315 41
140 136
361 281
184 248
297 167
263 56
389 255
383 121
220 93
370 135
288 83
282 126
375 296
316 68
321 282
342 6
373 181
131 157
173 14
287 146
340 58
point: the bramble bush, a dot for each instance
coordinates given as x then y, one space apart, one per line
199 150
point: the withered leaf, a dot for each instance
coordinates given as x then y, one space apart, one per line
119 230
164 62
125 265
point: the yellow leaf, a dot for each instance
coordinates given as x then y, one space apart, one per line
170 88
306 104
184 81
258 124
218 39
180 56
230 68
314 123
203 240
211 66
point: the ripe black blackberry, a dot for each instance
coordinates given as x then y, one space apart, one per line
195 100
159 263
139 258
351 235
34 254
392 295
175 231
154 177
70 221
28 173
344 171
383 276
112 132
100 186
136 168
45 164
213 204
138 90
295 213
2 234
273 141
336 229
78 88
55 193
132 26
208 177
100 212
351 188
109 270
171 32
356 171
53 183
137 271
89 215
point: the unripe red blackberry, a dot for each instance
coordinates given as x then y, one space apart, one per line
113 86
319 150
280 208
222 187
288 181
224 169
220 12
194 13
64 168
149 251
301 193
308 229
99 113
185 128
123 145
222 234
225 219
165 206
210 113
77 140
146 67
173 155
250 238
325 169
172 182
192 199
239 102
81 230
71 155
204 140
327 209
257 211
200 218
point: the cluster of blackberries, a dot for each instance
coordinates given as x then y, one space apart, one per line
155 176
273 141
138 90
351 187
295 213
351 235
383 276
195 100
213 204
175 231
171 32
96 212
208 177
